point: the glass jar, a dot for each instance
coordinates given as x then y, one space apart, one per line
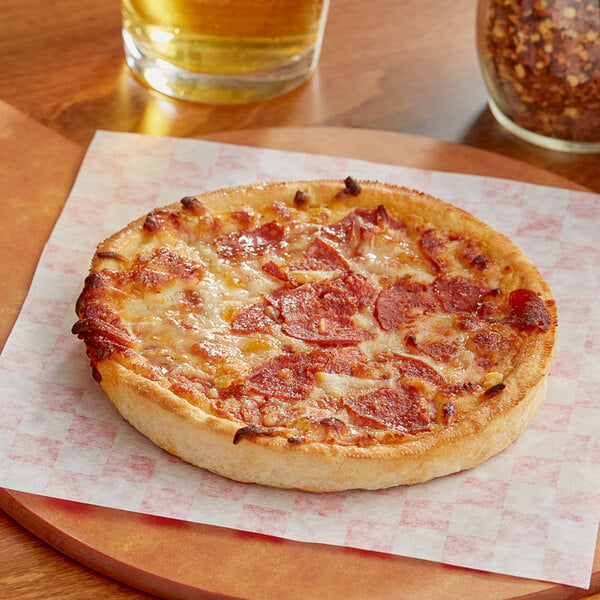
540 60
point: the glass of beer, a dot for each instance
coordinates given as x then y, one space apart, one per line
223 51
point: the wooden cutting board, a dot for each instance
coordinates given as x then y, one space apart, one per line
176 559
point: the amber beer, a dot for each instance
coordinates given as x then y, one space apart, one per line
223 51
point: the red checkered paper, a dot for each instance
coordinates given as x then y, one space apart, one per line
531 511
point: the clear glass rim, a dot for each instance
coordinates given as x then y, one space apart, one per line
543 141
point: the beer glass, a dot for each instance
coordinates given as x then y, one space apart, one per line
223 51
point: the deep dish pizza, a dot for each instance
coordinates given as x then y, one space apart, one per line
320 335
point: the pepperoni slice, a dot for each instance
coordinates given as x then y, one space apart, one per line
274 298
397 408
294 303
488 341
253 319
359 224
404 300
458 294
159 269
283 376
319 319
322 255
346 295
528 311
439 351
491 347
358 290
320 313
343 361
251 242
413 367
171 262
291 376
433 245
337 330
275 270
149 279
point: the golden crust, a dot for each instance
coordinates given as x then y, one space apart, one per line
317 467
188 429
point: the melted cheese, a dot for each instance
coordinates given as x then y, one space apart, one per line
344 386
182 330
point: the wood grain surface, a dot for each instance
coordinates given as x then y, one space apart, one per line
408 66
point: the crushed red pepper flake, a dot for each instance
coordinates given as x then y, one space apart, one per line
542 65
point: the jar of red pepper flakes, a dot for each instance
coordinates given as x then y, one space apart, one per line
540 61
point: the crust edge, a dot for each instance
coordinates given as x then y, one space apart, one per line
177 427
207 441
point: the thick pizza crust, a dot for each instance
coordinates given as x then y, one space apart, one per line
205 440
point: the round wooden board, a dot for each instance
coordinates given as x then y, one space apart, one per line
175 559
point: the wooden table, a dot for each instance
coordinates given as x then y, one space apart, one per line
394 66
407 66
